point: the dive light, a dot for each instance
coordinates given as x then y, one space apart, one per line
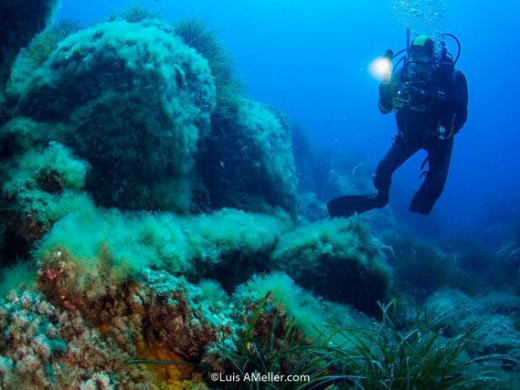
381 67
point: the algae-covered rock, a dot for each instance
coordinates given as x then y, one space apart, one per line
136 103
37 188
310 313
21 21
21 134
337 259
422 267
248 161
45 346
228 245
136 100
494 317
148 324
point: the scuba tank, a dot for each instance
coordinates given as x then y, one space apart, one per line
447 73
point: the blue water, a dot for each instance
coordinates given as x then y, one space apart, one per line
310 60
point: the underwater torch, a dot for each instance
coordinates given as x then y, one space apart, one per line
381 67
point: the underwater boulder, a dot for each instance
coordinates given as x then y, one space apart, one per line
337 259
248 161
422 267
136 101
227 245
452 306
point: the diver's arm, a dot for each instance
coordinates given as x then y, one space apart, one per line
385 98
457 101
387 93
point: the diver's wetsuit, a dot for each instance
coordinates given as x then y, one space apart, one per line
443 102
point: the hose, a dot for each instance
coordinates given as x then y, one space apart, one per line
459 46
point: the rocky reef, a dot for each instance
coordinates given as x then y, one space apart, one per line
152 230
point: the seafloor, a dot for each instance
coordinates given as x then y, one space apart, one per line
160 229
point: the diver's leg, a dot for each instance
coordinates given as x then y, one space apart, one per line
431 189
401 150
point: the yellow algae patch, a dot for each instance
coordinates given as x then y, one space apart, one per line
161 361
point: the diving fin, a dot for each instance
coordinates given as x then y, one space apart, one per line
347 205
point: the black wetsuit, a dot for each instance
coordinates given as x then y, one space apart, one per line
441 103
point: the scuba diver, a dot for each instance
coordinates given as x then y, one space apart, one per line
430 100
